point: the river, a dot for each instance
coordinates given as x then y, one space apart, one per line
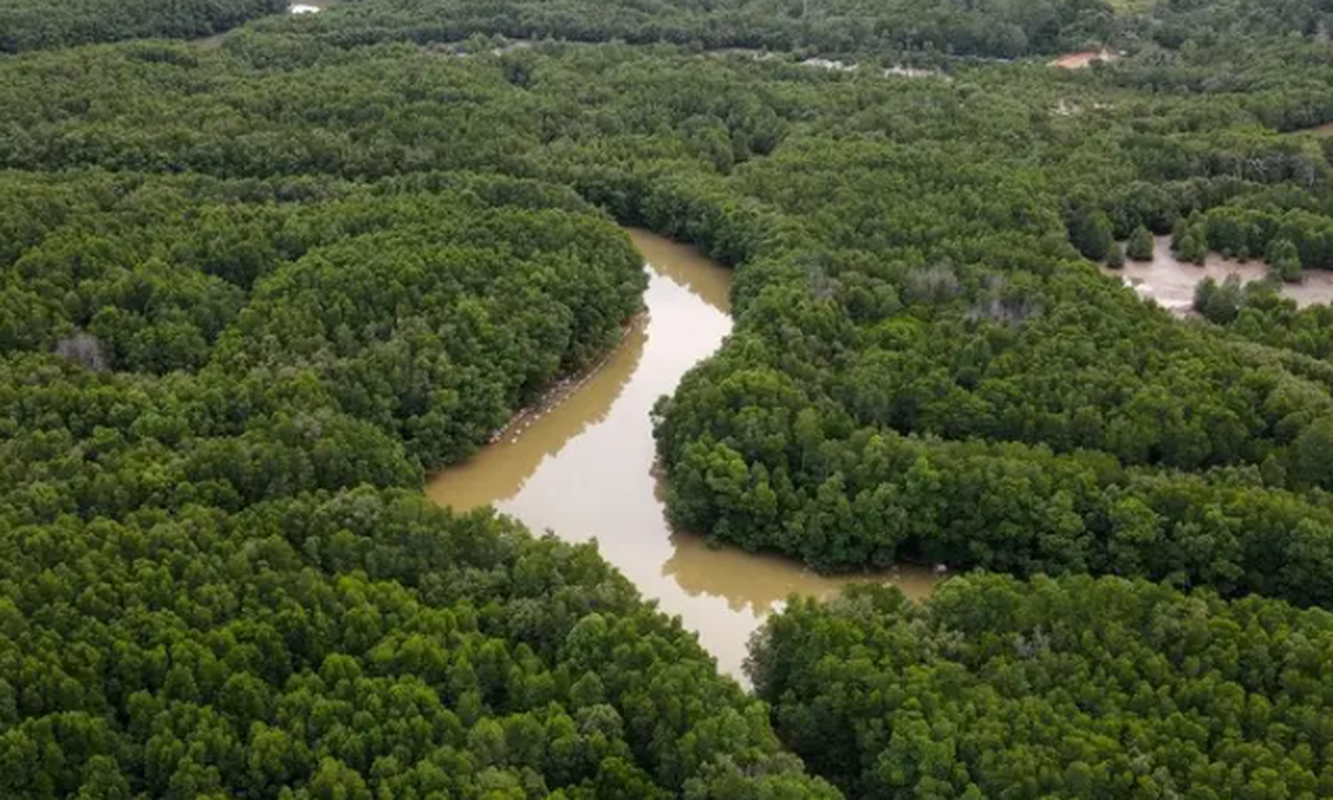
583 467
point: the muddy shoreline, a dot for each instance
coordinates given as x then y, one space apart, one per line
583 464
564 387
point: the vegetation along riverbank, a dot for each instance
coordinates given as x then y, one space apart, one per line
253 294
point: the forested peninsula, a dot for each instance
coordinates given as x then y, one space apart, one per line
262 272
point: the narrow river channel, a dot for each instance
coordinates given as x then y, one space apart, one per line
584 468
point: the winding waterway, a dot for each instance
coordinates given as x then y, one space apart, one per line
583 468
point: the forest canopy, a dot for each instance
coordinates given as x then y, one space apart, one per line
197 602
352 646
37 24
1068 688
995 29
250 292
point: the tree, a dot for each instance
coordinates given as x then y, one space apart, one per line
334 780
1009 669
1312 454
1193 248
1090 231
1219 303
1140 246
1283 260
1115 258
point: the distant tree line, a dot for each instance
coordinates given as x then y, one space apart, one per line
40 24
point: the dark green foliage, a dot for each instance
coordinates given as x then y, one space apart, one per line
1115 257
1294 238
195 601
1023 510
37 24
986 29
1193 247
195 375
964 314
237 284
1090 231
1219 302
1284 260
1056 688
1267 319
431 314
354 645
1226 22
795 442
1140 245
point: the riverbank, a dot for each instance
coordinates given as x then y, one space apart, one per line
586 468
563 388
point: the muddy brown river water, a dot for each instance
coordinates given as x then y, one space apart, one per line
583 468
1171 282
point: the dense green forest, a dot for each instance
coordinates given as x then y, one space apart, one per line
997 29
251 340
197 603
353 646
251 294
37 24
1054 688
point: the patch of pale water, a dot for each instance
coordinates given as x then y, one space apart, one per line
1171 282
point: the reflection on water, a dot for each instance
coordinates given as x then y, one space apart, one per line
500 470
691 271
702 570
585 468
1171 282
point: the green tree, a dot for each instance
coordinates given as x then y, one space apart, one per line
1283 260
1140 246
1090 231
1115 258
